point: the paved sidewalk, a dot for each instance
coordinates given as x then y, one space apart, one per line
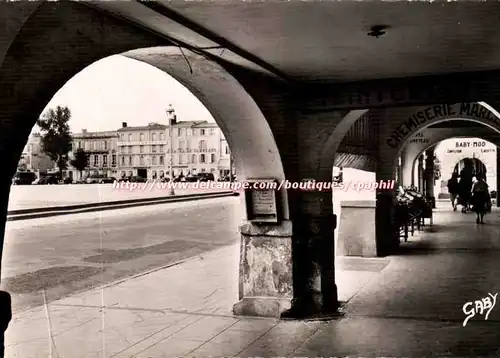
406 305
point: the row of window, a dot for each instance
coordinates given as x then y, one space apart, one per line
190 159
97 163
181 159
161 135
202 145
93 145
161 174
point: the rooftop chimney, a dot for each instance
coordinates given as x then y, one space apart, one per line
124 124
84 130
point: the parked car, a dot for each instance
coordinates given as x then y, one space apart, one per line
67 181
80 181
23 178
191 178
136 179
107 180
46 180
206 177
93 180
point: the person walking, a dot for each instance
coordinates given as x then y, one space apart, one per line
481 200
453 190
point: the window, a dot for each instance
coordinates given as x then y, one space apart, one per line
202 145
130 173
96 160
113 160
227 149
212 159
79 146
189 131
142 137
203 170
202 158
153 136
202 132
122 149
162 174
193 159
154 160
193 131
104 160
162 136
188 144
162 160
181 144
122 138
154 174
123 160
179 132
130 149
162 148
181 158
130 160
153 148
88 160
212 131
104 145
87 145
141 160
141 149
123 173
130 137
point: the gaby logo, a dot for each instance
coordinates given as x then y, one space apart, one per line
484 305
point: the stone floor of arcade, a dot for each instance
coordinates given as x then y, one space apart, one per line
406 305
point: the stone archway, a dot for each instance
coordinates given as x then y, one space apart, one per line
41 59
412 158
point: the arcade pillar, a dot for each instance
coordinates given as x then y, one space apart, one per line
387 236
498 177
420 171
429 176
315 291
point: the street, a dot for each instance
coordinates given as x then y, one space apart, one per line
40 196
64 255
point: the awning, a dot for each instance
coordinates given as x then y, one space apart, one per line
355 161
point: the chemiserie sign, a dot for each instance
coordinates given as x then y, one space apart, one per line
436 113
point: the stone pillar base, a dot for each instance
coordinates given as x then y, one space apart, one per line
265 279
262 306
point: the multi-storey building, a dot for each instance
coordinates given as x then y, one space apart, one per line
101 150
142 150
184 147
33 158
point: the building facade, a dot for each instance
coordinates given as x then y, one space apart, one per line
175 148
33 158
101 150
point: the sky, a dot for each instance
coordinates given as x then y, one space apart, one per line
118 89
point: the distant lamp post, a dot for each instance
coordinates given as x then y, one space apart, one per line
171 121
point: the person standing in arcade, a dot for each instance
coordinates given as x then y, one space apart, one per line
465 185
453 190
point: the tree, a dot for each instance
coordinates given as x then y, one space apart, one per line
56 136
80 160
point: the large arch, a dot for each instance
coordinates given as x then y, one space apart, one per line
405 122
428 137
49 54
413 160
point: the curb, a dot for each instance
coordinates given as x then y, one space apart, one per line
25 214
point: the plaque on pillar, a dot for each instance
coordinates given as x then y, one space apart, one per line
262 201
